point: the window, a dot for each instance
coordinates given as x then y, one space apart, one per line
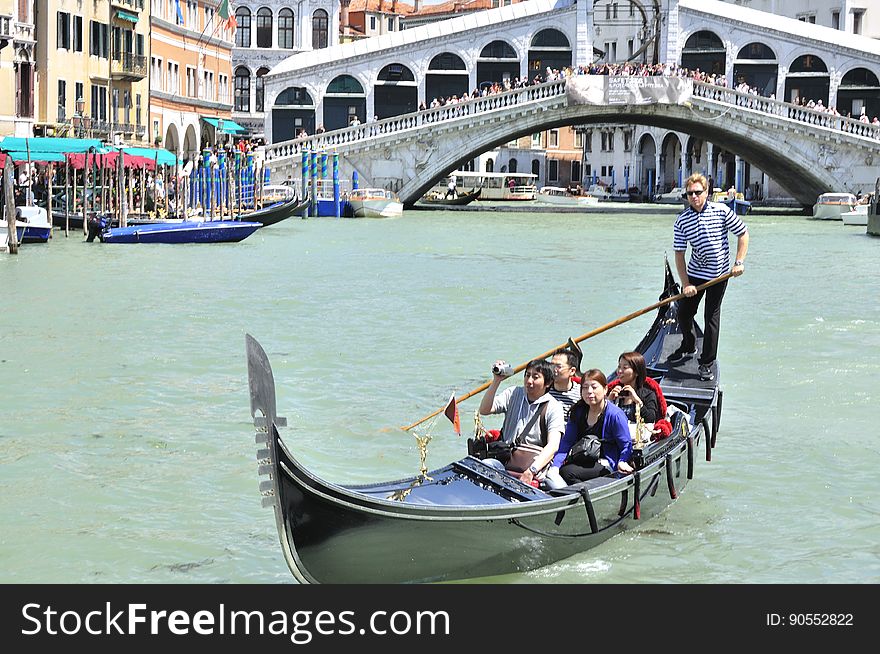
857 21
243 29
588 141
553 138
372 23
627 141
223 89
242 89
191 82
137 109
614 10
207 90
575 171
607 141
99 103
579 140
62 101
77 34
78 91
264 28
552 170
115 107
391 24
173 77
319 29
835 20
589 170
285 29
62 39
536 140
630 46
100 40
259 88
126 103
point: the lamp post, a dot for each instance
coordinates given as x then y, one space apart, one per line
81 119
219 131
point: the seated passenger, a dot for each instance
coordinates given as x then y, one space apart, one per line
634 388
522 406
595 416
566 388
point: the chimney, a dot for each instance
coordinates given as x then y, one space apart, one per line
343 17
417 6
393 6
456 8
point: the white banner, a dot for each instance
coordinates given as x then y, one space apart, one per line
628 89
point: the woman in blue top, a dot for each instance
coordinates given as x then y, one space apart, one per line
595 415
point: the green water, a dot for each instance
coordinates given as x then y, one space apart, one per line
127 453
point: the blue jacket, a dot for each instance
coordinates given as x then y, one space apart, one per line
616 442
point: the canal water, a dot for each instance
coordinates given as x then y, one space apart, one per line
126 448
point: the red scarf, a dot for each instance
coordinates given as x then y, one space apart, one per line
663 424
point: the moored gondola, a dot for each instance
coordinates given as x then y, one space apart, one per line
466 519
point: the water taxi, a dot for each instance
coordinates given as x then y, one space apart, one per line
375 203
831 206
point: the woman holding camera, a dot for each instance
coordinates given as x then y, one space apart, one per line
633 388
595 417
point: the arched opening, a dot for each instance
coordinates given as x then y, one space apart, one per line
172 138
242 89
858 93
756 65
647 171
705 51
807 79
490 165
264 28
536 168
670 163
190 144
549 49
513 165
286 29
395 92
320 30
261 73
294 110
243 27
344 99
497 63
447 76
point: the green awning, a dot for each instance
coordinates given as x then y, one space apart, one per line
41 144
36 157
229 126
124 15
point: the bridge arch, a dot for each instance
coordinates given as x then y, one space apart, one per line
344 98
859 92
807 79
447 75
705 50
498 61
549 48
395 91
757 65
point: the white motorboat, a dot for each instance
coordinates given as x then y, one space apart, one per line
675 196
564 197
33 224
858 216
375 203
831 206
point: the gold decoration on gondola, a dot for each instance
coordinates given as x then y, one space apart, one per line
640 427
422 443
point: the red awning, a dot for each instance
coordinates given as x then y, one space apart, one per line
2 160
78 161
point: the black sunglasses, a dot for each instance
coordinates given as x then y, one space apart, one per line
691 193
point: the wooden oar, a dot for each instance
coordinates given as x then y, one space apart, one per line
580 338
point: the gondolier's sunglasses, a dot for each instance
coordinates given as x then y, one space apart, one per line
692 193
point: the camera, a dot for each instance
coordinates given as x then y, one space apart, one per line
504 369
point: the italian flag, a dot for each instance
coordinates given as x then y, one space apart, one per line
227 14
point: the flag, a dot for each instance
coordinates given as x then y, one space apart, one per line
451 412
179 12
227 14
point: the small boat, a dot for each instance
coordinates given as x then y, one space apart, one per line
831 206
675 196
466 519
273 193
32 224
858 216
736 201
374 203
187 231
438 198
564 197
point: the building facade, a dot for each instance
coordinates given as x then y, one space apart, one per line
17 69
91 69
268 32
190 76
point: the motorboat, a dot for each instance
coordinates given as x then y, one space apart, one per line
832 206
736 201
374 203
32 224
564 197
858 216
675 196
187 231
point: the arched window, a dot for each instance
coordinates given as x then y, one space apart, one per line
294 96
242 89
259 88
550 38
447 61
703 41
264 28
498 50
808 64
396 73
513 165
345 84
243 29
285 29
319 29
756 51
490 166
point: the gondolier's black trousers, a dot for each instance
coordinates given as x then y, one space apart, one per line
687 309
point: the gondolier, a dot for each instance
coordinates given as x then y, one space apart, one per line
704 226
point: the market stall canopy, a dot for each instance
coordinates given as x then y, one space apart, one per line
109 160
165 158
42 145
229 126
35 157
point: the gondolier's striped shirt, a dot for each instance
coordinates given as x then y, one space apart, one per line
707 234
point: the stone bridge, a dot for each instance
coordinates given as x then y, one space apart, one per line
808 152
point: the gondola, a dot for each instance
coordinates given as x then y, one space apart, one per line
437 198
465 519
275 213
